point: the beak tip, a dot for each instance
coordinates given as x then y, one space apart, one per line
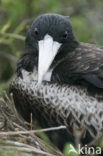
39 86
38 89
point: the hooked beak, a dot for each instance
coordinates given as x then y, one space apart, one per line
47 52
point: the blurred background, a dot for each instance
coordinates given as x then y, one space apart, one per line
17 15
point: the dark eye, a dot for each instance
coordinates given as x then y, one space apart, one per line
36 31
65 35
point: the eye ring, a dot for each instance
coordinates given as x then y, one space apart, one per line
36 31
65 35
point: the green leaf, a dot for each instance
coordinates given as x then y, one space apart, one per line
69 150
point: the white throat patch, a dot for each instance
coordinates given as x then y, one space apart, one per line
27 76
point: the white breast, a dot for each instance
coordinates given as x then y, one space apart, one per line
34 75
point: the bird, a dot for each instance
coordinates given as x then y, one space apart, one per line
57 105
52 50
53 55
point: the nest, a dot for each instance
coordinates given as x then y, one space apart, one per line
18 135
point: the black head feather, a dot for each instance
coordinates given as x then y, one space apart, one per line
59 27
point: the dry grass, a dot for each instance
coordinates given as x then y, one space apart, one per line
18 135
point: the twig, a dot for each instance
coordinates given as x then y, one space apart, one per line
8 56
33 131
31 121
39 141
11 35
29 150
14 109
26 148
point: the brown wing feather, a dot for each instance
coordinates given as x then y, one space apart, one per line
86 58
86 62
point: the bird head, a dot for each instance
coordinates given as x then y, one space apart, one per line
52 37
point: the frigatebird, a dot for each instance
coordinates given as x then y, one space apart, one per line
52 50
53 54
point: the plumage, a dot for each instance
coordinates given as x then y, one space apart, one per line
84 61
78 66
77 61
59 105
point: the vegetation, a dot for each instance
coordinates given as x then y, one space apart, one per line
17 15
